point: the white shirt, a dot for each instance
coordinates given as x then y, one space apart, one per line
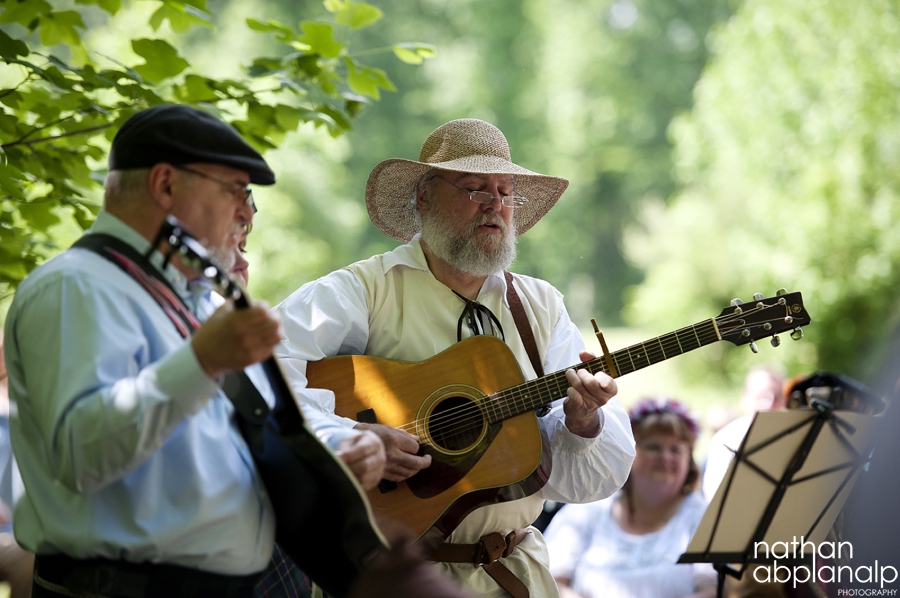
127 449
392 306
589 548
722 447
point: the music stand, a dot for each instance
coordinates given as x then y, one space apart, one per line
789 480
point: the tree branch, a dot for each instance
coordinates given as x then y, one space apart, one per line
52 137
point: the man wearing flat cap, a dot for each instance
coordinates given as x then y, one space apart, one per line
137 480
458 211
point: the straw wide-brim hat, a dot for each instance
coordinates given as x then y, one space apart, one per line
465 145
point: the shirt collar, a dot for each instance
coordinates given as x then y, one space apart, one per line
411 255
108 224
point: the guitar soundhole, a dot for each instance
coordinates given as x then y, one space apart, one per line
455 424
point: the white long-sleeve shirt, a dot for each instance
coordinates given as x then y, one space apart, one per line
392 306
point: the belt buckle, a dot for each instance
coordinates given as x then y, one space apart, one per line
490 548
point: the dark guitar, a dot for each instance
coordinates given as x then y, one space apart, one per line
323 518
474 414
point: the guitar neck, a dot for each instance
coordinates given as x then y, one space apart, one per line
543 391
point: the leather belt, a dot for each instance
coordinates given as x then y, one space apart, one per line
486 553
100 578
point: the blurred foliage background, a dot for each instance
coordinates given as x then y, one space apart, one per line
715 148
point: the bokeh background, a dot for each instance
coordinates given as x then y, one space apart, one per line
715 148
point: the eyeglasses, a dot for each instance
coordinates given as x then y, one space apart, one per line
513 200
246 193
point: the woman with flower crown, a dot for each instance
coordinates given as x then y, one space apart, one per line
626 546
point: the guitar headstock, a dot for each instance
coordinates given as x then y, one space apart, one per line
192 253
744 323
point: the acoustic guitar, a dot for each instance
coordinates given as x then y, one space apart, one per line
475 415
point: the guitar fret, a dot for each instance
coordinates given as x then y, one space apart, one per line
542 391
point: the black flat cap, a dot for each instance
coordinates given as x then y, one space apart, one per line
180 134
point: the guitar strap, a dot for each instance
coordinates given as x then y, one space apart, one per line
523 325
236 385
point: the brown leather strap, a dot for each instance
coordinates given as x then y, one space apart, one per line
522 324
487 553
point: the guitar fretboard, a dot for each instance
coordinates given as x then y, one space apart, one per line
543 391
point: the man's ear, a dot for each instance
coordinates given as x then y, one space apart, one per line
161 180
423 201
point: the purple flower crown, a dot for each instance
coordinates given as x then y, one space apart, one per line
646 407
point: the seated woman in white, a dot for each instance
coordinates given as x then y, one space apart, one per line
626 546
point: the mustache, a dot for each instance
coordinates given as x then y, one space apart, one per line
487 218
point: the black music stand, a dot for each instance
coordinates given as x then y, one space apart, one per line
789 480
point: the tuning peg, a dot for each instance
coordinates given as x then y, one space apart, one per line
775 341
758 296
753 347
797 334
735 302
781 291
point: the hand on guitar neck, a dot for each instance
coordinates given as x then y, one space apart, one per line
232 339
587 393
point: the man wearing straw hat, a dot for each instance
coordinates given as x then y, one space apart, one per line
458 211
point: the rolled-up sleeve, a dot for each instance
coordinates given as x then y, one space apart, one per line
584 469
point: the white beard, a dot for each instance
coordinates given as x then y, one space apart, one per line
463 251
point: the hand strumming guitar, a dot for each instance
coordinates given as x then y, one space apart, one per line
400 448
586 395
364 455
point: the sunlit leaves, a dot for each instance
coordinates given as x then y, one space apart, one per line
357 15
61 108
790 161
162 60
413 53
12 48
367 81
319 38
182 15
59 27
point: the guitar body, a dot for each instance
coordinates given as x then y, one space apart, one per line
474 462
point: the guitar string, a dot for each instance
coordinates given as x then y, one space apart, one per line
519 399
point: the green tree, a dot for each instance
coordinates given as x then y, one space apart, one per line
790 162
583 90
61 102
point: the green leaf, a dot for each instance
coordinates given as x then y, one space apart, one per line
11 179
110 6
197 89
285 32
287 117
24 13
264 66
11 48
334 6
367 80
40 214
13 271
358 15
320 39
59 27
180 17
413 53
162 59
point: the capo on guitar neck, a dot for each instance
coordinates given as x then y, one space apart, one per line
609 361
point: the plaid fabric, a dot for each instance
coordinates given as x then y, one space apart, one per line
283 579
